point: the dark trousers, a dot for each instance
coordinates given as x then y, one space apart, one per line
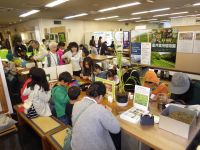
116 140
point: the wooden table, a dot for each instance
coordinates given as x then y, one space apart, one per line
22 119
100 57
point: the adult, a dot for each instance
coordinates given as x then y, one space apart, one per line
92 122
93 49
51 58
19 49
92 41
104 48
184 90
74 57
99 44
38 52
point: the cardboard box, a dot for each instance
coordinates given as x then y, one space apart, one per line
175 126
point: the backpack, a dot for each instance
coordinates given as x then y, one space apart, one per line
131 78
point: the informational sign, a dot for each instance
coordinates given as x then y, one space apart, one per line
185 42
135 52
146 53
164 45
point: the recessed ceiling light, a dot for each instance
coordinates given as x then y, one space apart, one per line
29 13
120 6
55 3
146 20
196 4
130 19
104 18
178 13
75 16
150 11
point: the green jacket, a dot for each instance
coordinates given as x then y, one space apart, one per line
60 99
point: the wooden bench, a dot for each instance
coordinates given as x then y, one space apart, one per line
41 125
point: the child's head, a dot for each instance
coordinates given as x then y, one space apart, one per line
151 80
61 45
74 47
64 78
87 63
85 52
97 69
39 78
9 56
111 74
74 92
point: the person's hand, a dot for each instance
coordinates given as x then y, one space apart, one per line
81 75
85 77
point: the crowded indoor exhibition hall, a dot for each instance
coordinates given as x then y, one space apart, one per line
100 75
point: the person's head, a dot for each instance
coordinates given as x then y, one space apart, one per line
111 74
61 45
97 90
92 37
10 56
43 41
19 42
97 69
85 52
74 47
74 92
53 47
88 63
65 78
35 44
112 42
180 83
100 38
39 78
151 80
31 71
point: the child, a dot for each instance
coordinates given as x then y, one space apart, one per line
98 72
38 95
60 51
151 81
60 96
93 49
23 98
112 76
73 93
87 69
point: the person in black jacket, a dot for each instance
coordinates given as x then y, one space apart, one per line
104 48
20 49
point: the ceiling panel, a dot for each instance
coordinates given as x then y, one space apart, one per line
11 9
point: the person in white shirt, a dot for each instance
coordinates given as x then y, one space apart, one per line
52 59
74 57
93 49
39 94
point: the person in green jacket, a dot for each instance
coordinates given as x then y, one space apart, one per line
60 96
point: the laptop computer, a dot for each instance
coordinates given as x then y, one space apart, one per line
141 104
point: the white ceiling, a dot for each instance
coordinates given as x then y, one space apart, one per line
11 9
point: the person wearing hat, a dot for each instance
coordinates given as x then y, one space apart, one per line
153 82
183 90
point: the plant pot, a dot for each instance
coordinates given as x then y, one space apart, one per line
122 99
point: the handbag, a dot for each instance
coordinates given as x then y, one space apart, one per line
68 137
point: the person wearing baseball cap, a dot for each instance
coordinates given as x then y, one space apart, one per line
153 82
183 90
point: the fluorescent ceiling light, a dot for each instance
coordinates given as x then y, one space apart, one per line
185 16
120 6
29 13
75 16
104 18
55 3
130 19
146 20
150 11
196 4
178 13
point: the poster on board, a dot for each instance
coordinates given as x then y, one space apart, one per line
163 47
126 40
135 53
185 42
146 53
196 48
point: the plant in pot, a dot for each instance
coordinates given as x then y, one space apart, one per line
121 95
